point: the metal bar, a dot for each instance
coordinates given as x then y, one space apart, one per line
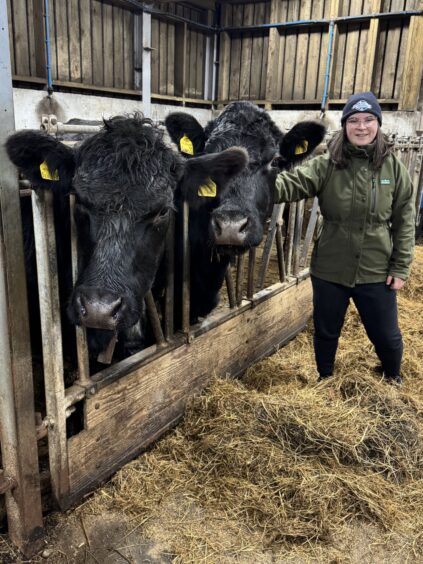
323 22
48 48
170 279
291 229
48 289
297 236
81 334
327 71
309 232
239 278
276 215
59 127
146 63
153 316
279 249
230 287
185 269
17 415
251 268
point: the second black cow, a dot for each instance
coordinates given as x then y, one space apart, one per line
229 219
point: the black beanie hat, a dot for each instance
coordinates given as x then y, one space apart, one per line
362 102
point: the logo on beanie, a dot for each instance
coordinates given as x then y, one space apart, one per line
362 106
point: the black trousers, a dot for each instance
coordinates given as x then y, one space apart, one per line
377 306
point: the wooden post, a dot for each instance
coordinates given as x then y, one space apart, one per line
272 81
17 416
334 12
146 63
224 55
39 39
372 38
412 74
181 32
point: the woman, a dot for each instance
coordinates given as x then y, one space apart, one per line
365 248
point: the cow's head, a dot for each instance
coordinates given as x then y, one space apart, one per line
124 178
240 207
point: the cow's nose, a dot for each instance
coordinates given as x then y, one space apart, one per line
229 231
99 310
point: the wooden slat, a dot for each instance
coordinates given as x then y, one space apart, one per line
162 57
264 66
302 60
155 44
337 46
290 54
273 55
170 87
21 37
199 74
401 60
31 36
370 49
126 416
108 44
412 74
315 57
86 54
74 41
128 49
225 54
257 52
97 42
389 72
246 52
235 55
181 59
11 36
62 36
118 49
39 39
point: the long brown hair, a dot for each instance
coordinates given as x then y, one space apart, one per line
340 155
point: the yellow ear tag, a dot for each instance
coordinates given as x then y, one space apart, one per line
208 190
45 173
186 145
301 149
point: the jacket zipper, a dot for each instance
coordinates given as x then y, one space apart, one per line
373 196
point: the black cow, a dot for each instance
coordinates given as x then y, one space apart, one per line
230 219
124 179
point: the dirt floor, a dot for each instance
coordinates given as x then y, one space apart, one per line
274 468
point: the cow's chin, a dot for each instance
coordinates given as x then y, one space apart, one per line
231 250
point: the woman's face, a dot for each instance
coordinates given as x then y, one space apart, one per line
361 128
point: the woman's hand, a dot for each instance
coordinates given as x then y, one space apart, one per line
395 283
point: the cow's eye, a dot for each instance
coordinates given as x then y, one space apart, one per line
163 212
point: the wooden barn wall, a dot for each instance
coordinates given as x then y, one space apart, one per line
287 65
166 56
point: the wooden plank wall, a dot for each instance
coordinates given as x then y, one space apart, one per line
92 43
166 55
366 55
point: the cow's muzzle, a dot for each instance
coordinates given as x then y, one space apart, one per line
228 231
99 310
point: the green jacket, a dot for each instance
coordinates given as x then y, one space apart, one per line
368 216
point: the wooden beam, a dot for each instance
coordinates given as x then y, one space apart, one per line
181 31
335 9
372 37
125 417
17 416
272 82
224 56
412 74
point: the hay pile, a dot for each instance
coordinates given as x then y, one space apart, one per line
277 466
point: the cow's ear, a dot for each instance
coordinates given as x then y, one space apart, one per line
186 133
300 142
46 162
204 176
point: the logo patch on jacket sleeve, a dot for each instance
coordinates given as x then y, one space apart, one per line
385 181
208 189
186 145
45 173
